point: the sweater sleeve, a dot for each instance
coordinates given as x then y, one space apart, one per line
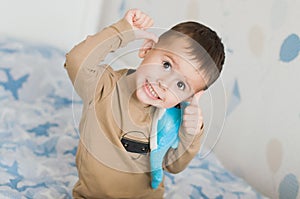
178 159
82 62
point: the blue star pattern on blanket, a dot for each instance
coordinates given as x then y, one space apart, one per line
13 183
42 129
13 85
37 140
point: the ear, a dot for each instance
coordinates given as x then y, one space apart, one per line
146 47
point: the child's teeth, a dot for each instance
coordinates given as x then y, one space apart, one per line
152 90
153 93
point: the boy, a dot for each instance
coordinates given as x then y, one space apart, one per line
113 153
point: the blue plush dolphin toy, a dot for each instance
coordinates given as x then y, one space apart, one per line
164 134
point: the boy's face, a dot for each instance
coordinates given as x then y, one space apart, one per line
168 75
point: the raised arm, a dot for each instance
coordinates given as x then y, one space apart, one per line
94 49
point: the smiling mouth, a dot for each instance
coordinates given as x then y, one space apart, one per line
150 90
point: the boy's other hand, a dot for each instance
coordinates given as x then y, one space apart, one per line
140 22
192 120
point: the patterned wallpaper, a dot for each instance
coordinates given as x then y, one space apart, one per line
262 121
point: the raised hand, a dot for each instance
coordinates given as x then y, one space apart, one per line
140 22
192 117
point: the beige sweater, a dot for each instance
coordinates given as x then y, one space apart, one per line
112 111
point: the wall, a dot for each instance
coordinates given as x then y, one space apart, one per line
60 23
259 138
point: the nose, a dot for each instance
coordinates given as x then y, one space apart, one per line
166 81
161 85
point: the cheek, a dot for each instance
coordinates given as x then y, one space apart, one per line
148 71
141 72
172 99
176 94
142 69
140 94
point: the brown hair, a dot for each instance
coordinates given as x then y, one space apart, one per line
205 46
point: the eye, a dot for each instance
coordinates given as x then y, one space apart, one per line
167 66
181 85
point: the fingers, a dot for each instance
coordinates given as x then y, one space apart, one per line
138 19
142 20
192 113
143 23
195 122
192 118
136 14
129 17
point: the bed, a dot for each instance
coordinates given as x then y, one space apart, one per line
39 114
